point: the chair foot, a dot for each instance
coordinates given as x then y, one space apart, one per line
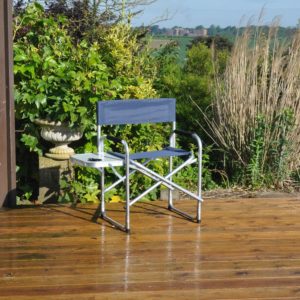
127 231
170 207
181 213
95 218
198 221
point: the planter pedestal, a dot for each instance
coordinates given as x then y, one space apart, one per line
50 172
55 164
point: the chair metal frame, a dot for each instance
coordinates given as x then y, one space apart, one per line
131 166
117 112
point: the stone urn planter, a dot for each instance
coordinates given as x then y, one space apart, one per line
60 135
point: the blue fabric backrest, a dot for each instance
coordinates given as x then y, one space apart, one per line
117 112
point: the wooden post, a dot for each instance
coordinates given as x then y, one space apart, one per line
7 120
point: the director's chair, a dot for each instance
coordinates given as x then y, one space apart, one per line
121 112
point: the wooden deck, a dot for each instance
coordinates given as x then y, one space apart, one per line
244 249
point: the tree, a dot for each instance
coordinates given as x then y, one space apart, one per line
213 30
200 27
88 17
218 42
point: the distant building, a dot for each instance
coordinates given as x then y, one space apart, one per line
179 31
199 32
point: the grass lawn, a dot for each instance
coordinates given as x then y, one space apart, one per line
183 42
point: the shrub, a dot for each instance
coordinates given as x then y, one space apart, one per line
190 83
60 78
256 108
55 78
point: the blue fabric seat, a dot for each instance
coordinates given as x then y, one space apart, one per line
166 152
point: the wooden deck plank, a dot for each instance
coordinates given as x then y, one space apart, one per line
208 294
244 249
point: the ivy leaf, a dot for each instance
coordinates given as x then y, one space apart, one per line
31 142
68 107
20 57
40 99
82 110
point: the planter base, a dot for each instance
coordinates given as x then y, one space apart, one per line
61 152
58 156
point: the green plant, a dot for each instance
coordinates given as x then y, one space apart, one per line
269 166
255 106
130 67
55 78
192 85
256 163
188 177
84 189
59 77
217 42
281 148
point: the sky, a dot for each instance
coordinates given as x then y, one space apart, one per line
191 13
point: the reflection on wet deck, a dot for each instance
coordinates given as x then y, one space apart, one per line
244 249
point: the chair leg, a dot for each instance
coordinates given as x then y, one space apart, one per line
199 212
170 196
199 184
127 185
102 214
199 193
127 224
171 207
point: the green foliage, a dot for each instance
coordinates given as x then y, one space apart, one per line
188 177
269 163
197 81
192 83
60 75
31 142
268 166
130 68
255 166
255 107
61 79
182 43
55 79
199 60
280 150
168 70
84 189
218 42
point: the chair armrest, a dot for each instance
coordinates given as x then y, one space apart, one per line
191 135
118 141
184 132
114 139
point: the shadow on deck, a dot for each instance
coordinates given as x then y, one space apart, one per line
244 249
